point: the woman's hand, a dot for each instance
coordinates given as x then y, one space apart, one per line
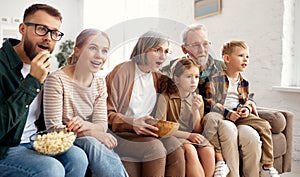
107 139
76 124
141 127
196 138
82 128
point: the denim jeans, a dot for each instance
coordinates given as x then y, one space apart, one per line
102 161
23 161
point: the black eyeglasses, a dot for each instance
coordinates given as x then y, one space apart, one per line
42 30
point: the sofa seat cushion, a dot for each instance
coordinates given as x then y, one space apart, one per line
275 118
279 144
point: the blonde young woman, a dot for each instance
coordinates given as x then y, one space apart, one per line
76 98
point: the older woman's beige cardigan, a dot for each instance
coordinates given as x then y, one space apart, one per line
119 88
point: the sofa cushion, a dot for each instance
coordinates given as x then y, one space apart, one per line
275 118
279 144
278 164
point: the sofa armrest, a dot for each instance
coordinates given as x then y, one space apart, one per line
276 119
287 130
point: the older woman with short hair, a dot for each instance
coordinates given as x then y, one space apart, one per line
132 91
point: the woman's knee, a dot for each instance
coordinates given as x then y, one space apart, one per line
149 148
86 141
171 144
90 144
157 148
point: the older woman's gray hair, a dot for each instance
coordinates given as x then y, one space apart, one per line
148 40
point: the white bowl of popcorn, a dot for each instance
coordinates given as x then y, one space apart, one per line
52 142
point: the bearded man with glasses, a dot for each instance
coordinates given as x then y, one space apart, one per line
24 66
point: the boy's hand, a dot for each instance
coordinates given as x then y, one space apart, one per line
40 66
252 105
243 112
234 115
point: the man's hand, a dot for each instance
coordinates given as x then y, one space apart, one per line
40 66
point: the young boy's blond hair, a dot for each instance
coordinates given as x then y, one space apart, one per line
228 47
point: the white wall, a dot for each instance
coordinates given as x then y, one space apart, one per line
121 21
297 37
71 11
260 24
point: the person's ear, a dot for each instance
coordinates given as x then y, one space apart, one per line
226 58
22 28
76 51
183 48
176 80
